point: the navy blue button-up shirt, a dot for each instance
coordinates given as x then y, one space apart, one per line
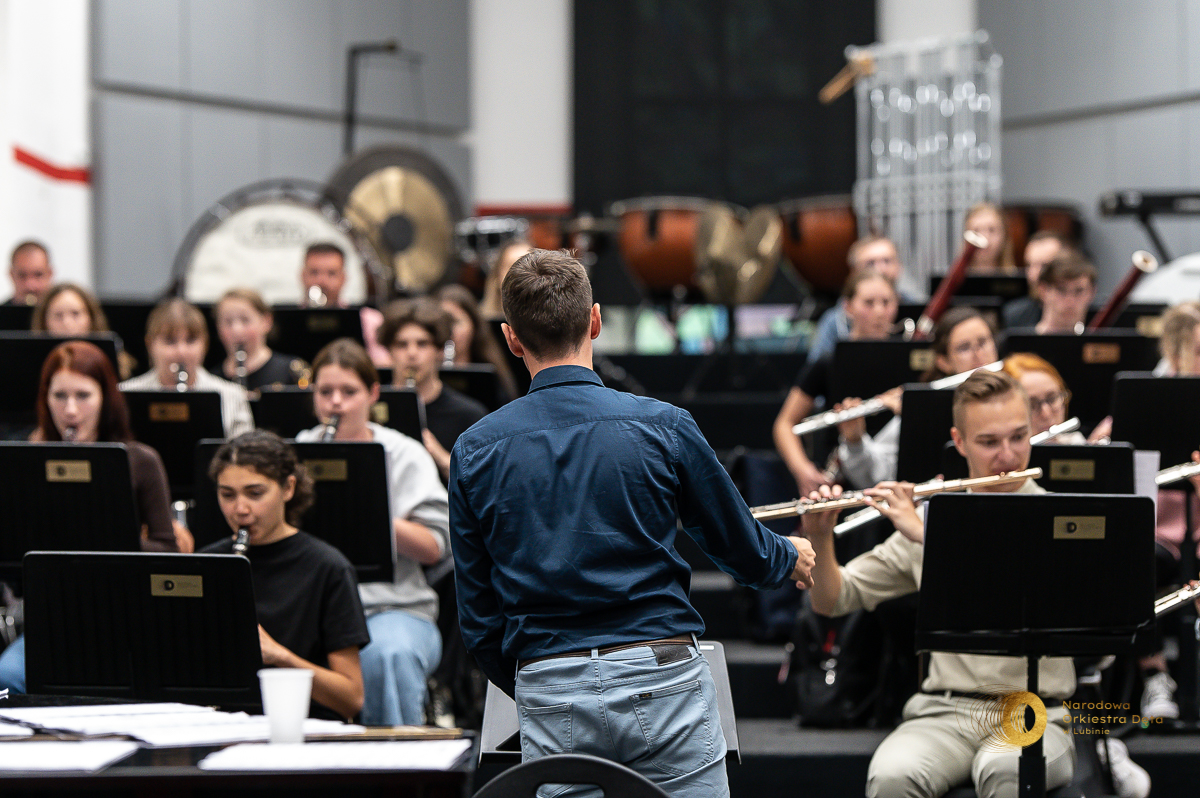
563 508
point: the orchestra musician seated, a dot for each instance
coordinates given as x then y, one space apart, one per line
177 341
871 304
402 614
1068 286
31 273
986 220
70 309
472 337
1049 397
78 402
305 591
1043 247
1179 343
243 323
962 342
931 752
323 276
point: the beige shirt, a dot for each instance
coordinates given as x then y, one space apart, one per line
893 569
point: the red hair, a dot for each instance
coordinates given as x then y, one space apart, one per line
87 359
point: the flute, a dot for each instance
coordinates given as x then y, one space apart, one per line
770 512
242 542
869 514
1176 474
831 418
331 427
1173 601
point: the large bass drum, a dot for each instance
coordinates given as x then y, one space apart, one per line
657 240
817 235
256 238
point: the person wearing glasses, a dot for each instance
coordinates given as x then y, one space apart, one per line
1048 395
1068 286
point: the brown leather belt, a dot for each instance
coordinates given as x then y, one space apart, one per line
685 640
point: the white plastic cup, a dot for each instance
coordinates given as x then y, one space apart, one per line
285 695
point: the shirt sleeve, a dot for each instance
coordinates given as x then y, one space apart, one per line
714 514
235 408
418 494
885 572
153 498
873 459
480 618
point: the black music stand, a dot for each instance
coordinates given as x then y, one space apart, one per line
1054 549
23 355
477 380
127 318
402 410
1088 363
925 421
288 410
1006 287
71 497
173 422
351 511
1068 468
500 737
868 368
148 627
305 331
1145 317
16 318
1159 413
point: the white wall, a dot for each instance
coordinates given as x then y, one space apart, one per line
905 20
521 104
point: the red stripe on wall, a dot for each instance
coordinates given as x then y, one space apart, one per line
72 175
522 210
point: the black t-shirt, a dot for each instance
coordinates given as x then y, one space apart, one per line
306 597
814 377
452 414
278 371
1023 312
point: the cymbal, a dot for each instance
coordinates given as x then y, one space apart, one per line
736 261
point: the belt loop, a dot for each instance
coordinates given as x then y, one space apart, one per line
595 653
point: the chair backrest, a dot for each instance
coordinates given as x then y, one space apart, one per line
613 779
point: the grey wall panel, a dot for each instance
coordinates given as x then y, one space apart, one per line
224 152
302 58
224 47
139 169
300 148
1146 50
139 41
442 35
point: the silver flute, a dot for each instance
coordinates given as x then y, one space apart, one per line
831 418
1176 473
241 543
869 514
331 427
1173 601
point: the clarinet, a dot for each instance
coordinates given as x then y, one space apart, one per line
181 377
239 367
331 427
242 542
69 433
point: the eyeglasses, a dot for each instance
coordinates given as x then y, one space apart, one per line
967 347
1054 401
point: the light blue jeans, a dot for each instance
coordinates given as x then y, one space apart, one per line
405 650
12 666
660 720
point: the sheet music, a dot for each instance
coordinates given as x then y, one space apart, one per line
407 755
88 756
1145 468
13 730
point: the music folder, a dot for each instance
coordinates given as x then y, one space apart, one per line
149 627
1158 413
288 410
65 496
477 380
1069 468
173 422
1023 574
350 511
305 331
24 354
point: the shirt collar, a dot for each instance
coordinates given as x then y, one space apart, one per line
559 375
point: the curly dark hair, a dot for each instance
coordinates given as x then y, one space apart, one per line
271 456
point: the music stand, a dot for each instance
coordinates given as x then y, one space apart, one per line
925 421
1056 548
148 627
1145 317
16 318
477 380
70 497
172 422
351 511
1157 413
306 331
1068 468
1088 363
1005 286
500 737
288 410
24 354
127 318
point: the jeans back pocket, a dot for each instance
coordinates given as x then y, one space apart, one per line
545 730
678 726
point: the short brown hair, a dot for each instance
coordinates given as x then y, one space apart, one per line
176 314
349 354
857 246
547 300
97 322
985 386
26 246
271 456
325 248
247 295
424 312
1066 266
858 278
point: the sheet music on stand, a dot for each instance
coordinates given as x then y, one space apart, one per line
403 755
62 756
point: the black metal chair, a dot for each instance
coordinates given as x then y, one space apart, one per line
522 781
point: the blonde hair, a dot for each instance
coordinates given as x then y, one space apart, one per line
176 314
1007 262
985 386
1178 330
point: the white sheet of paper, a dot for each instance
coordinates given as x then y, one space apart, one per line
400 755
88 756
13 730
